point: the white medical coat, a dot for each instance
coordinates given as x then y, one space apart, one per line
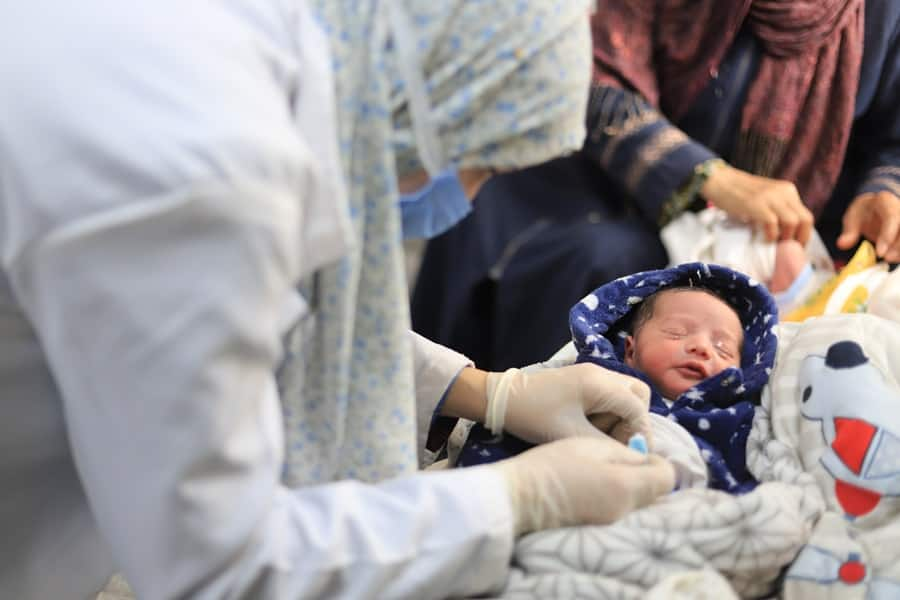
150 241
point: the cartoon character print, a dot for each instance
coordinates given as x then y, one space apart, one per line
828 568
860 417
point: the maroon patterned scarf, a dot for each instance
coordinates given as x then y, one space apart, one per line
799 109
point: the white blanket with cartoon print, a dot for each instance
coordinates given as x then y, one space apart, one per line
832 410
825 446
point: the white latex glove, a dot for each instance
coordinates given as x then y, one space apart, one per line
551 404
582 481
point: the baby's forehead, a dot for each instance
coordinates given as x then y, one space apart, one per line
695 302
696 299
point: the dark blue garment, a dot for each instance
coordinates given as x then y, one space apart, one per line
715 118
873 154
717 412
499 285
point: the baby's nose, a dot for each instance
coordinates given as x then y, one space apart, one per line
699 347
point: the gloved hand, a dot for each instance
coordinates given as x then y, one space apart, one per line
581 481
582 399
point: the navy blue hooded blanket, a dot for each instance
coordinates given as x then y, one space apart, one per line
718 412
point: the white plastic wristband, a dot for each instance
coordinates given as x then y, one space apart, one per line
497 396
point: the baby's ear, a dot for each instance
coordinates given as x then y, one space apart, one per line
629 350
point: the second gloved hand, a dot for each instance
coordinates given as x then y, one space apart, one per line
581 481
575 400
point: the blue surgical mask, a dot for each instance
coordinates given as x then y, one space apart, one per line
435 208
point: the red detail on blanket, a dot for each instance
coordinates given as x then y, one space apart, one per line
852 571
852 438
855 501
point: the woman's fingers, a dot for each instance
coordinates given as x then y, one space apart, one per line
893 253
851 224
875 216
798 223
805 226
887 207
771 205
795 220
768 220
788 219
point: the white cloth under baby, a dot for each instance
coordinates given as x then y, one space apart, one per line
858 291
885 299
673 442
712 236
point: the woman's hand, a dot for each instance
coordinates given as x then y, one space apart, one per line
875 216
774 205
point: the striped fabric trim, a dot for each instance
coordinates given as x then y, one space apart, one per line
619 134
885 183
885 178
614 116
885 170
655 149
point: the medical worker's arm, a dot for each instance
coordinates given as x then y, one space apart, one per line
587 478
436 368
538 405
543 405
160 322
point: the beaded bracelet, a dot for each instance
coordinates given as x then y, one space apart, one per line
685 196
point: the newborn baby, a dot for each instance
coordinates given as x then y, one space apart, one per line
700 336
681 336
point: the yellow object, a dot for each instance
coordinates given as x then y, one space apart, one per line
856 301
864 258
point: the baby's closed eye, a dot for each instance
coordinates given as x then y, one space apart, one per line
726 348
675 332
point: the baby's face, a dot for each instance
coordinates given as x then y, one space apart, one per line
690 337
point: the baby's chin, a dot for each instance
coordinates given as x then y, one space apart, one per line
674 390
672 393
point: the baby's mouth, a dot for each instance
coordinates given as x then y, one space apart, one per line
693 370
